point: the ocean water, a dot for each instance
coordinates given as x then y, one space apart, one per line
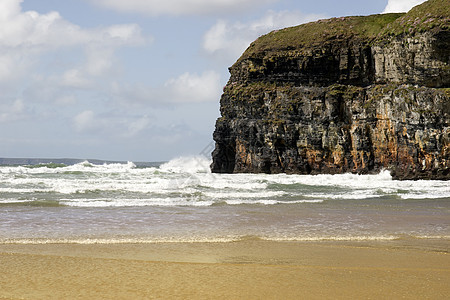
182 201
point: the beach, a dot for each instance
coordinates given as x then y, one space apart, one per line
246 269
177 231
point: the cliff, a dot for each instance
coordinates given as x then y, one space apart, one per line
351 94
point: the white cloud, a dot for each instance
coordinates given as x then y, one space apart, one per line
12 65
98 63
186 88
193 87
65 100
181 7
9 7
12 111
27 35
138 125
74 78
31 29
229 40
110 124
396 6
84 121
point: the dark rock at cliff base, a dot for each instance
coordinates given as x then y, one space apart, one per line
353 94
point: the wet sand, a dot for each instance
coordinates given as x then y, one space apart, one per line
249 269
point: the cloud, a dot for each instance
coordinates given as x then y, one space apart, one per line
118 125
50 30
12 110
85 121
98 62
48 64
136 126
25 36
12 65
75 78
186 88
193 87
228 40
65 100
110 124
396 6
181 7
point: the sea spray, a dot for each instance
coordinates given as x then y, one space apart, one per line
183 200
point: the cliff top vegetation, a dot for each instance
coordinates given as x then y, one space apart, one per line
424 17
365 29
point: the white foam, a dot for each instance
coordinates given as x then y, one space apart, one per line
349 238
435 195
193 164
8 201
269 202
85 166
346 196
205 239
346 179
244 195
183 177
162 202
107 241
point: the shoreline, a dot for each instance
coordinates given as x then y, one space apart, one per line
247 269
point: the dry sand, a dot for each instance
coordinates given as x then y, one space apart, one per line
250 269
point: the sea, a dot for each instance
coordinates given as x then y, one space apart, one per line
182 201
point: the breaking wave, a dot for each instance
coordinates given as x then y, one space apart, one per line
182 201
187 181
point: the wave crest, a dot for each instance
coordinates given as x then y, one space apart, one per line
189 164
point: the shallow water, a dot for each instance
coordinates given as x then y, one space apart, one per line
182 201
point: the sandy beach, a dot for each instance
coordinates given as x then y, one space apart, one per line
248 269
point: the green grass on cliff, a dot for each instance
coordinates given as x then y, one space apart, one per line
308 36
424 17
305 38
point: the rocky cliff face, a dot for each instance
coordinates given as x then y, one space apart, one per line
354 94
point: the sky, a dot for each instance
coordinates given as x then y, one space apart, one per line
136 80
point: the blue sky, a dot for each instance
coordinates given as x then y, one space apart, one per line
136 80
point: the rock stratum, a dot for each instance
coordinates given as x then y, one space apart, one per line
351 94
